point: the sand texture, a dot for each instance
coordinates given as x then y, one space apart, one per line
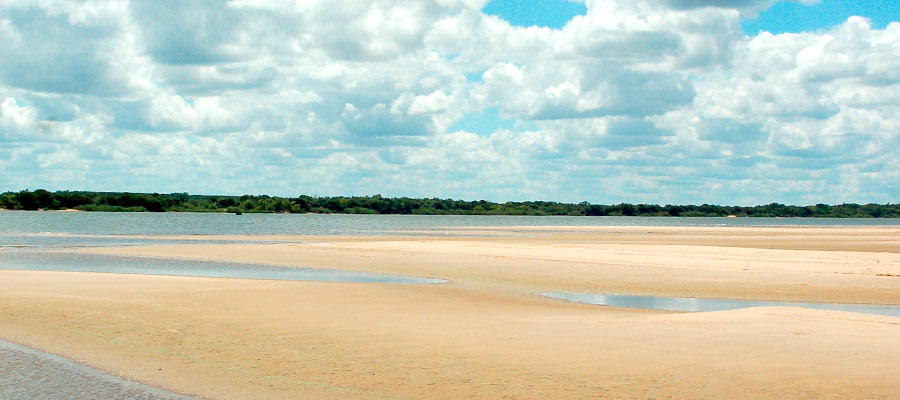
486 334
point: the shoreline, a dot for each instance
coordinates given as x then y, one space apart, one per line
488 215
31 373
486 333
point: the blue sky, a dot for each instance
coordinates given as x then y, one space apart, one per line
544 13
781 17
656 101
796 17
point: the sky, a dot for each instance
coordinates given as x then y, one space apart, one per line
643 101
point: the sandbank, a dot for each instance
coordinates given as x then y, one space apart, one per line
486 334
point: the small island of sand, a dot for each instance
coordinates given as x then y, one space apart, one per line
486 333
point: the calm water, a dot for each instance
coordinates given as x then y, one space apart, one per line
699 305
27 374
59 261
99 223
53 240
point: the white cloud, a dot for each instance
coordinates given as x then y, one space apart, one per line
749 8
808 100
641 100
15 118
437 101
62 48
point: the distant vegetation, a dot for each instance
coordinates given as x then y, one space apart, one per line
140 202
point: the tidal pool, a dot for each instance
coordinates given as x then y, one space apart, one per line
699 305
26 373
80 262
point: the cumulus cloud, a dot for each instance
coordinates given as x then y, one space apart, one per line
661 101
16 121
748 7
59 48
794 91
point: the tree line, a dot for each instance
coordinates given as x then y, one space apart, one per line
154 202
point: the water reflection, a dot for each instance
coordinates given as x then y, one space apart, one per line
77 262
700 305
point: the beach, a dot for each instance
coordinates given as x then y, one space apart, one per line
486 333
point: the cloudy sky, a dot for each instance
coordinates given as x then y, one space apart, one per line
606 101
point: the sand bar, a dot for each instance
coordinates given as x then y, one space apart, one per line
486 334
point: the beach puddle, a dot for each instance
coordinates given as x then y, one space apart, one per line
50 241
79 262
27 373
700 305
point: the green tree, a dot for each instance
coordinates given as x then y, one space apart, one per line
9 202
45 200
279 205
28 200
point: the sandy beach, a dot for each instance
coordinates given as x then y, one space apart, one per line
485 333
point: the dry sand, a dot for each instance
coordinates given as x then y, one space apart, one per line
485 334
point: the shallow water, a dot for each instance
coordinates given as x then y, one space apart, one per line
700 305
27 374
77 262
57 241
101 223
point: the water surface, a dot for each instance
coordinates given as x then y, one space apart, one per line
700 305
53 240
79 262
27 374
103 223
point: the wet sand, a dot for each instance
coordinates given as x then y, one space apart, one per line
27 374
485 334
